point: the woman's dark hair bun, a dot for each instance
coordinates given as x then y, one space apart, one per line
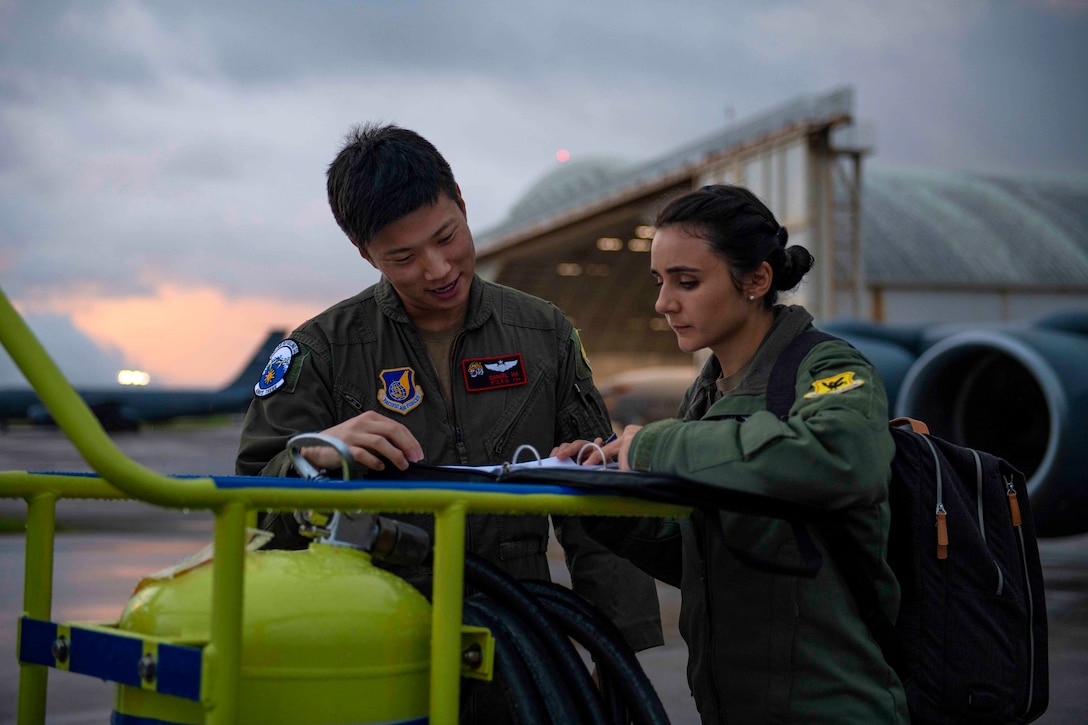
781 236
796 264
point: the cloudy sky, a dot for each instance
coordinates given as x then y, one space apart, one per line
162 163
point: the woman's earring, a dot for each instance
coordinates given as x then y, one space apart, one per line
751 297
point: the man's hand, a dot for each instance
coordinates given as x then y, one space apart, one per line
368 436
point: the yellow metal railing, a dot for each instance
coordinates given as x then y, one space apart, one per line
121 477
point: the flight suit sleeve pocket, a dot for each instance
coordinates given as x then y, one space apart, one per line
523 547
760 430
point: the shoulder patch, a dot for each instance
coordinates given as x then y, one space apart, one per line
272 377
398 390
585 370
839 383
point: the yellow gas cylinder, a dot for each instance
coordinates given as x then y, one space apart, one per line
327 638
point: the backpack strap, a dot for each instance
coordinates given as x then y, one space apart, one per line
847 555
781 394
782 383
913 423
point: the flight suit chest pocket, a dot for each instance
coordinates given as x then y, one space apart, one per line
513 411
759 431
754 433
523 547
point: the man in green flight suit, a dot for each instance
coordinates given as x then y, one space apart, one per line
434 364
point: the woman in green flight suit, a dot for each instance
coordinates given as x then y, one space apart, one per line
763 647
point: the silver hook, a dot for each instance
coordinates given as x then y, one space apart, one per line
304 467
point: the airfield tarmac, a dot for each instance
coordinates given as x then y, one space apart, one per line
104 547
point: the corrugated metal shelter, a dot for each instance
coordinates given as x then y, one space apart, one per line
973 247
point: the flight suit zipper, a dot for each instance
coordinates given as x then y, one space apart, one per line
500 443
709 600
451 409
458 434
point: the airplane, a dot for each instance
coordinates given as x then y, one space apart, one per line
1016 390
126 408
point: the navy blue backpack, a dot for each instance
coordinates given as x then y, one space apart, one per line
970 642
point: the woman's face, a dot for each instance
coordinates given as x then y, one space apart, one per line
696 293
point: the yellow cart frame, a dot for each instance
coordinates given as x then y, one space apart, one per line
121 477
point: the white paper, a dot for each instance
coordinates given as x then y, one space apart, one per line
551 462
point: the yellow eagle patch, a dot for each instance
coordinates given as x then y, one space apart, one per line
839 383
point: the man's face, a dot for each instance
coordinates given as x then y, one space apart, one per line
429 258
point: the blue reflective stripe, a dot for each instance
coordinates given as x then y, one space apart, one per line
106 656
359 485
299 484
179 671
117 718
36 642
114 657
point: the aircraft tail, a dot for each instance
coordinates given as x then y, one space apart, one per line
252 371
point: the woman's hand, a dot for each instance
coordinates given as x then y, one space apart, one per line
624 444
592 455
615 449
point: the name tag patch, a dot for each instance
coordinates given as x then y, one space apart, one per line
489 373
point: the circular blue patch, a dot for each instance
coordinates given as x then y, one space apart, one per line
278 364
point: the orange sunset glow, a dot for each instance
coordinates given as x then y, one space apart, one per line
184 337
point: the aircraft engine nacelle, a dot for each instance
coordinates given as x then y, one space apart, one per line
1019 392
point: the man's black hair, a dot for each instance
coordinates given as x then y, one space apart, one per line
384 173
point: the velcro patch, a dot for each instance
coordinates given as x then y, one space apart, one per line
272 377
399 391
835 384
489 373
584 369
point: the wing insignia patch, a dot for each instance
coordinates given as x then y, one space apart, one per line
489 373
835 384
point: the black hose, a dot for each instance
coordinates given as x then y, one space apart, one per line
582 621
617 664
504 589
516 676
505 624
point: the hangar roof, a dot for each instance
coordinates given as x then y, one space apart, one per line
928 227
596 182
573 180
918 227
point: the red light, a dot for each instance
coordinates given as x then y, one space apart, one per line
562 156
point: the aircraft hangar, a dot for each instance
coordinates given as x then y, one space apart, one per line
904 247
580 237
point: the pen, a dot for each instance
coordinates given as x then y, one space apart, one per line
611 438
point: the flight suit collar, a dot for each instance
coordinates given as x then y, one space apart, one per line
789 322
481 303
